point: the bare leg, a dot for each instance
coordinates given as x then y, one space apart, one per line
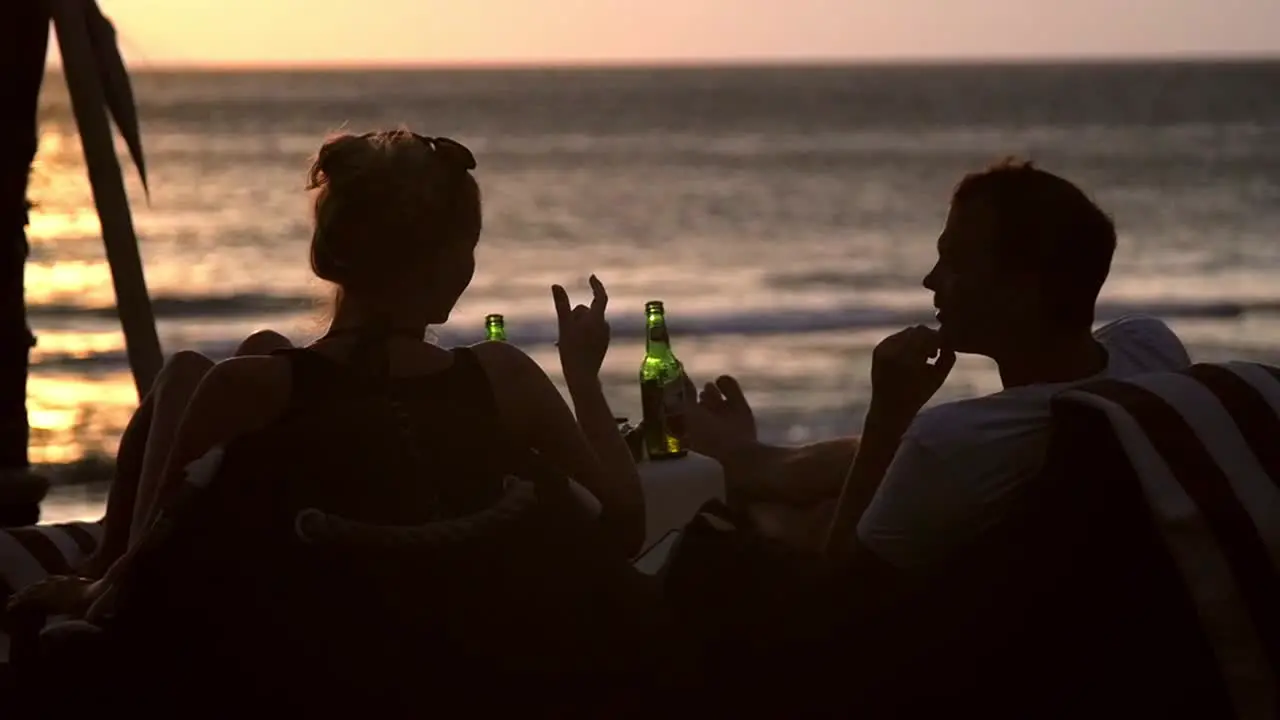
124 489
263 342
181 375
173 386
170 404
176 382
803 527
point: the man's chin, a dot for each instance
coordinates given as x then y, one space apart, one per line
955 340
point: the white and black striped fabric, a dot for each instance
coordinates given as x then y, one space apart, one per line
1204 444
31 554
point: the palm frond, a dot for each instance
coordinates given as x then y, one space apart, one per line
116 86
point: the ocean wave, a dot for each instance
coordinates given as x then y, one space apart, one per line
542 332
173 306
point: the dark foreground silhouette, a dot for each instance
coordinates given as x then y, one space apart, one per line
1076 606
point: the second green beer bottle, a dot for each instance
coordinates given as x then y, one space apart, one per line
495 328
661 390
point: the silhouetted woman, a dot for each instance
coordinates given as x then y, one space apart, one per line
405 431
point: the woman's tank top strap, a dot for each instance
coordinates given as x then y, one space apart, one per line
470 374
308 383
469 371
317 379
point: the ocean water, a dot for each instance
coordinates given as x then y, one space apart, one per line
785 215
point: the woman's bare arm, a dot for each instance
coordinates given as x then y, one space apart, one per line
537 414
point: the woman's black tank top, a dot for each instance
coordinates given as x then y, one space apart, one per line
399 451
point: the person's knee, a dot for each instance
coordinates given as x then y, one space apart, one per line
184 365
263 342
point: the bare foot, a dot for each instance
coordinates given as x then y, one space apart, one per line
720 423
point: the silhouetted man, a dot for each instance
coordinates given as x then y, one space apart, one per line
1021 261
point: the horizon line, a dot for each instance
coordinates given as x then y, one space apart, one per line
702 63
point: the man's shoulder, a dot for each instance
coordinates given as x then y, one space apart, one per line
952 475
1136 325
1145 343
981 421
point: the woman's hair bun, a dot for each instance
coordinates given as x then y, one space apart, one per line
342 158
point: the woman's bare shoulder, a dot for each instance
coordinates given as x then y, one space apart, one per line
245 392
506 362
521 387
253 372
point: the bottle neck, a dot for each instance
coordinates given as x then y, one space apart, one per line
496 331
656 340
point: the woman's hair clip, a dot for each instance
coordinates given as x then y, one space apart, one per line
450 150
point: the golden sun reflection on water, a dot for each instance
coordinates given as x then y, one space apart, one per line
73 417
59 187
51 344
48 226
85 282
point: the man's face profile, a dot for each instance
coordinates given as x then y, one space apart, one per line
976 301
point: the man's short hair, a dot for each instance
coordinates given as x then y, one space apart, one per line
1048 226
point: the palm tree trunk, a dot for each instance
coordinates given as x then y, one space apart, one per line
24 37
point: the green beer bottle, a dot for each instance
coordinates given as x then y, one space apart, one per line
661 390
494 328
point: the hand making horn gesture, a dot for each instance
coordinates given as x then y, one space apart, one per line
584 333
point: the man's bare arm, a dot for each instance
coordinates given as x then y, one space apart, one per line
863 479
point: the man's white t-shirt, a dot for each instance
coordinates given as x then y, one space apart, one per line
959 463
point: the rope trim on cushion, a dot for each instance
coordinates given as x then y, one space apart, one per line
316 527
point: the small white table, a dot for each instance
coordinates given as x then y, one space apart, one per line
675 489
673 492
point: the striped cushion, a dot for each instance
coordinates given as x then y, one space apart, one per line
1205 447
30 554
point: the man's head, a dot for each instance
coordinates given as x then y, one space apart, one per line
1023 255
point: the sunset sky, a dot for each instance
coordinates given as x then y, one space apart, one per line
157 33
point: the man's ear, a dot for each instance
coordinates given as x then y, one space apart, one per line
1030 290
